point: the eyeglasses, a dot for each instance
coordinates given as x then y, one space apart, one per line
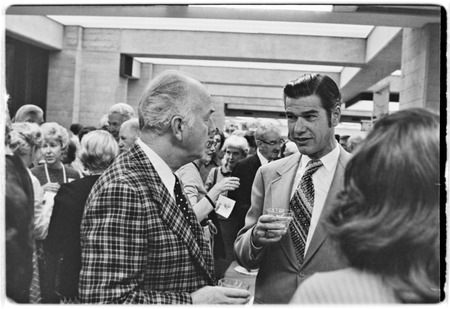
210 143
273 143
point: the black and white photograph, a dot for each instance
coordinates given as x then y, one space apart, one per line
237 153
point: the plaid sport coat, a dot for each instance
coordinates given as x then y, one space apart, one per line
136 245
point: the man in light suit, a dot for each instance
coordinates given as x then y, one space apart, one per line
141 241
312 105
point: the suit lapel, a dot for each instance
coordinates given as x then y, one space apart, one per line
320 233
281 192
173 217
193 239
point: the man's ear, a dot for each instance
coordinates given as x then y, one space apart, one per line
176 124
335 116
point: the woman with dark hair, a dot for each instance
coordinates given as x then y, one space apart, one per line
98 150
219 138
386 220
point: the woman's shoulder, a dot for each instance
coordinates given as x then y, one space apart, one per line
348 285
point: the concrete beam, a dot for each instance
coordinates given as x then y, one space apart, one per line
277 112
243 47
35 30
240 76
383 57
245 91
412 19
394 82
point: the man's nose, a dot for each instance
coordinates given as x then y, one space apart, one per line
300 125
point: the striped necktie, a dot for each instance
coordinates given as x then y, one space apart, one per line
301 204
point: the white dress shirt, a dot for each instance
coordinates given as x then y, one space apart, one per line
322 179
163 170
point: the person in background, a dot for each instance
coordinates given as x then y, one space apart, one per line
75 128
128 134
118 114
29 113
141 241
85 131
353 142
26 141
343 141
235 149
209 160
250 137
98 150
219 138
103 123
306 183
268 141
51 175
387 225
19 238
69 154
204 202
289 148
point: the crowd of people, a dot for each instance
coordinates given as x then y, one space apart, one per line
154 205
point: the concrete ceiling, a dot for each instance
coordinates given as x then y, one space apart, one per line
366 62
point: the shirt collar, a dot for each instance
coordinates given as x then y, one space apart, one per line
329 160
161 167
261 157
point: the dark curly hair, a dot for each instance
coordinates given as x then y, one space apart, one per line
386 219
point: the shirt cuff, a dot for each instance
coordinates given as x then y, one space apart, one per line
255 251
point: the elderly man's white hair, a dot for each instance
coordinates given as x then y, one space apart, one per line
264 128
132 123
123 109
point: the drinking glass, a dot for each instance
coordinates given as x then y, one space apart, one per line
281 214
233 283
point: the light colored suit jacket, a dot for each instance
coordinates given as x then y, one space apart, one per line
137 247
279 272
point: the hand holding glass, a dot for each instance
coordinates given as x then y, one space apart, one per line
281 214
233 283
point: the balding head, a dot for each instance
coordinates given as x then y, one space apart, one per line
128 134
118 114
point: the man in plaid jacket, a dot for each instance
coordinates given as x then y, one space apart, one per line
138 245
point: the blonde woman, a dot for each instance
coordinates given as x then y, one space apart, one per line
51 175
97 151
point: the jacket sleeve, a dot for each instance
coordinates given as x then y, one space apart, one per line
56 240
114 238
246 253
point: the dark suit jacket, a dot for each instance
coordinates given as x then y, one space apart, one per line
64 231
137 247
245 170
279 272
19 237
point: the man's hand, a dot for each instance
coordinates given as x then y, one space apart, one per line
269 229
220 295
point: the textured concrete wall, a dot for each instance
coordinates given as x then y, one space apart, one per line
84 79
421 68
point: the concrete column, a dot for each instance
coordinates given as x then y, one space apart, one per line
219 115
421 70
64 74
380 103
84 78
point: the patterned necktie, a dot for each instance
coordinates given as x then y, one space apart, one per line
301 204
182 202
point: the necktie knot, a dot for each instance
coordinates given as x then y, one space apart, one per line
313 166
